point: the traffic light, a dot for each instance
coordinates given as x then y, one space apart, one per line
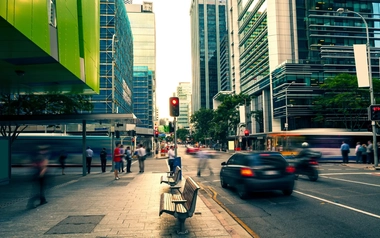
246 132
117 134
374 112
174 106
156 133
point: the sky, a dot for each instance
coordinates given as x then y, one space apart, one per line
173 48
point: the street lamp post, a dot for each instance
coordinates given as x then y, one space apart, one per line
286 106
373 123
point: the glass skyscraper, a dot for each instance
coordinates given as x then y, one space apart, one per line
288 48
116 46
208 28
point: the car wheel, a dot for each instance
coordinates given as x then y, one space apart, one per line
223 183
242 191
287 192
314 176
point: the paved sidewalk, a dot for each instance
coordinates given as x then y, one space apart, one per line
96 205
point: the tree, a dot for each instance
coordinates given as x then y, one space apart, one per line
182 134
202 123
20 104
227 117
343 102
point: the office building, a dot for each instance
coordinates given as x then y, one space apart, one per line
184 95
208 29
286 49
143 25
116 60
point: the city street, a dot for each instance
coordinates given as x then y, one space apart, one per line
343 202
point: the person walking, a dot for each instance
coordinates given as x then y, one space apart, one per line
40 162
117 156
89 154
358 152
203 162
142 156
345 149
171 157
128 158
370 157
103 160
62 160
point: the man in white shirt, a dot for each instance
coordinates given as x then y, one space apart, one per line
171 155
142 156
89 154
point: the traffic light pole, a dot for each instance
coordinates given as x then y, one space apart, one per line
175 136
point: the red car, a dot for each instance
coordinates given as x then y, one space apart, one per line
192 150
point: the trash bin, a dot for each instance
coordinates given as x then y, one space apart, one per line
177 162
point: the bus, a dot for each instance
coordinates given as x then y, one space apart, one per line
325 140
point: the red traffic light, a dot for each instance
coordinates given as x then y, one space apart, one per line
246 132
174 106
156 133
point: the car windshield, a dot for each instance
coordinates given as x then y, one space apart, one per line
265 159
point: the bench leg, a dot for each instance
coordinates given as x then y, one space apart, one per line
182 229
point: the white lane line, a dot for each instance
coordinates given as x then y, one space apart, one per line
351 181
339 205
351 173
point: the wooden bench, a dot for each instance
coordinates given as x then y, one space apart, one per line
181 205
172 180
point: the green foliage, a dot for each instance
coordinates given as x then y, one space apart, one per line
20 104
182 134
216 124
343 101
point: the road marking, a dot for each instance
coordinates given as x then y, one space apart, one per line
351 181
351 173
339 205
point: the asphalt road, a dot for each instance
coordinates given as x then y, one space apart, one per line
344 202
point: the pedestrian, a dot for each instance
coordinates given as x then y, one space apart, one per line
128 158
103 159
62 160
358 152
39 162
141 156
203 162
89 154
122 159
117 156
370 157
345 149
363 149
171 157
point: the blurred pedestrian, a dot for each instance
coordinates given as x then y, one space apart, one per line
141 156
128 158
116 159
89 154
39 163
171 157
345 149
203 162
370 157
103 159
62 160
358 152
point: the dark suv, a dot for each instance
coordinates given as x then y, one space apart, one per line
257 171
